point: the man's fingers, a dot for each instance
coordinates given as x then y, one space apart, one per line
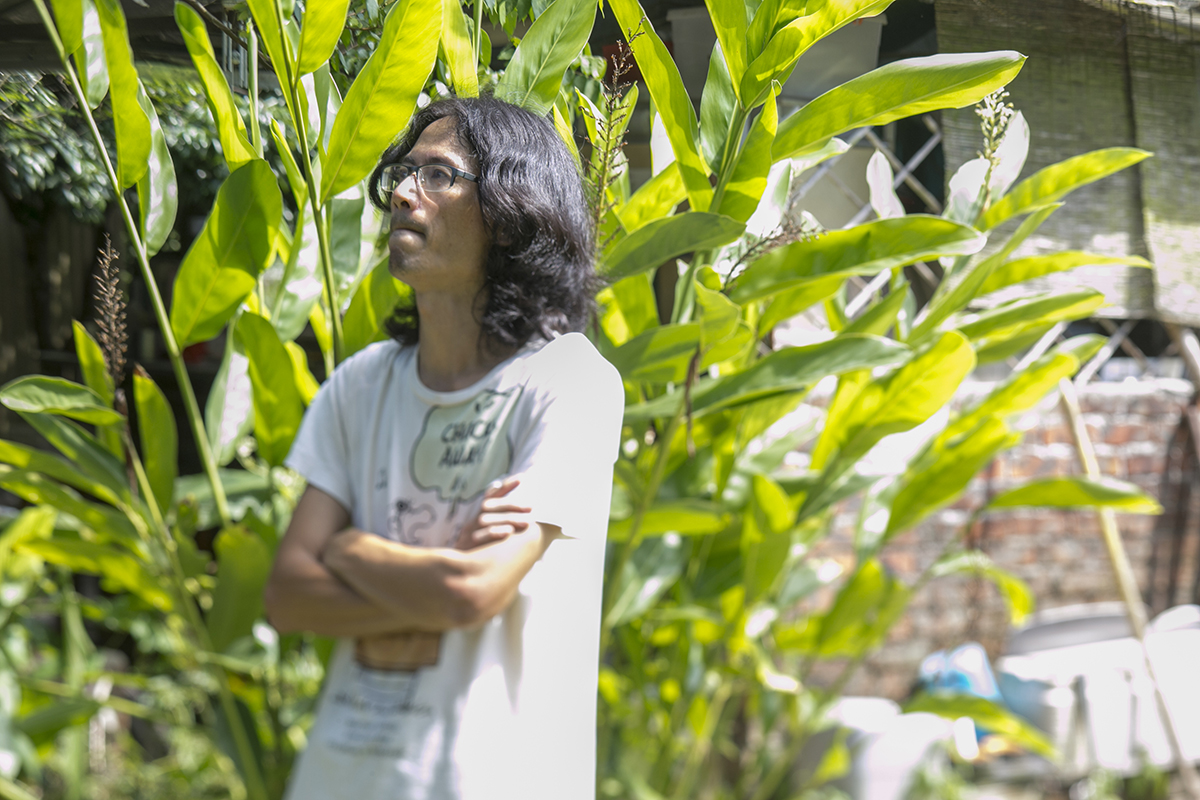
499 505
501 487
494 520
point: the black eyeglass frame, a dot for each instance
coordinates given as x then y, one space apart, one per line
388 176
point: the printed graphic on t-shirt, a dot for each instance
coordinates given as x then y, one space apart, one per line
461 449
368 714
413 524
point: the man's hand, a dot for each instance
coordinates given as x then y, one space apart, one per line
497 518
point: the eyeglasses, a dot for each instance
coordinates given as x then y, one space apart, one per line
431 178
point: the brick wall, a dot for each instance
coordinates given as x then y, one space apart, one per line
1058 553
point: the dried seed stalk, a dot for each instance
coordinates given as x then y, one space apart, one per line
110 316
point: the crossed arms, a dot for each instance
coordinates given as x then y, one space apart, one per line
335 580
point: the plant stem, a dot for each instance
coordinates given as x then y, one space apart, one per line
703 741
478 31
195 420
252 66
1126 584
319 221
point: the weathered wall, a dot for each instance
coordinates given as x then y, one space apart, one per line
1059 554
1074 92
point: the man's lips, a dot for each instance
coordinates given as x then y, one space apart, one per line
400 227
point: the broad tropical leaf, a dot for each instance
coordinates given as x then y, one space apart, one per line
129 120
41 394
323 23
159 439
383 96
900 89
278 405
1079 492
666 239
555 39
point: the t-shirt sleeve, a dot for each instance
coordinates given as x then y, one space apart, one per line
565 459
320 451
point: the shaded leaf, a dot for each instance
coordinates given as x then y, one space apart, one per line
243 564
278 405
663 240
41 394
687 517
159 439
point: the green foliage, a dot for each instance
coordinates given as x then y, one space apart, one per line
716 610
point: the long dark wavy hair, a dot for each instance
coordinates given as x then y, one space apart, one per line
540 281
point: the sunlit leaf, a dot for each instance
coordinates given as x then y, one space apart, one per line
900 89
278 405
129 120
382 98
1080 492
555 39
665 239
1025 269
243 564
323 23
221 266
117 570
986 714
1058 180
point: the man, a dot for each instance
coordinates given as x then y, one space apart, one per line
452 532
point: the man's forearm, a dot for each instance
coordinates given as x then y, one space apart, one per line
309 597
436 588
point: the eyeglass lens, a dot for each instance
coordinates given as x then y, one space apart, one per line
430 177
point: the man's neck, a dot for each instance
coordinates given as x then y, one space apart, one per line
451 354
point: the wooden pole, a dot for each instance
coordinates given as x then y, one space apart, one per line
1135 609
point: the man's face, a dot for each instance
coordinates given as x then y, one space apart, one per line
438 241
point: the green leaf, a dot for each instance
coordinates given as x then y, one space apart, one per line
900 89
862 250
865 607
92 364
1078 492
659 355
371 305
102 520
42 394
294 286
27 458
943 474
117 569
345 241
158 193
879 316
663 240
159 439
278 405
243 564
764 542
324 21
986 715
719 316
629 308
902 400
1017 594
792 369
458 50
729 20
129 120
803 294
221 267
230 128
655 198
43 722
83 450
688 517
229 411
649 573
1024 389
68 18
245 492
958 290
89 60
1058 180
382 98
718 104
1026 269
305 382
555 39
880 178
670 98
1009 318
268 18
749 175
785 47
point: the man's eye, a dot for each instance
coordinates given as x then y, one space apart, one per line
439 177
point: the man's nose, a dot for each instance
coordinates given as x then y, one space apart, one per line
406 191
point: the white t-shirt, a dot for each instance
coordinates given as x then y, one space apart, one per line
508 710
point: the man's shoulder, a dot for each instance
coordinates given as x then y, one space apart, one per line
361 372
571 361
